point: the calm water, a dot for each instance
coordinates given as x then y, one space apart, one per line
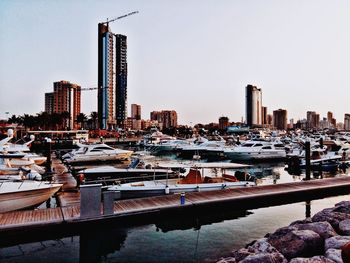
196 238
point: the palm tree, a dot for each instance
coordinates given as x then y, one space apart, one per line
94 117
81 118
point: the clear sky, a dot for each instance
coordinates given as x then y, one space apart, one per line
193 56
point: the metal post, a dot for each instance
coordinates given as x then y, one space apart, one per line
307 160
182 198
108 202
90 200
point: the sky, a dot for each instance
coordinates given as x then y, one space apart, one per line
192 56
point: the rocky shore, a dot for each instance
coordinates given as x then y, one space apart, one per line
313 240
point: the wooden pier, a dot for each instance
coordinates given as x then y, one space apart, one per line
66 220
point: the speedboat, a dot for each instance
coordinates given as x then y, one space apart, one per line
96 153
194 181
256 150
15 195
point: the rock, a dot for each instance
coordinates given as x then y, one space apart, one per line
324 229
336 242
265 257
241 254
334 254
227 260
316 259
331 217
299 222
342 207
344 227
262 246
297 243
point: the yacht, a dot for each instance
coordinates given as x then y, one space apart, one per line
15 195
96 153
193 181
256 150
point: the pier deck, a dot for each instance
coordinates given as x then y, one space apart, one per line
67 217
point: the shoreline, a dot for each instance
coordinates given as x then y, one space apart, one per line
316 239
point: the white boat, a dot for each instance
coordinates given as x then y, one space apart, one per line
192 182
15 195
256 150
96 153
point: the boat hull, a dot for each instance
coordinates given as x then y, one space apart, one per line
26 199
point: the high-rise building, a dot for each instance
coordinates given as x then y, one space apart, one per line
253 105
165 118
67 98
347 121
136 111
121 71
105 96
136 116
264 115
112 78
313 119
49 102
280 119
223 123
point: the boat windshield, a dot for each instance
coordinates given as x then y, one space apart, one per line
247 145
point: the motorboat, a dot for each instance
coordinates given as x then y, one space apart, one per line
96 153
193 181
256 150
207 149
15 195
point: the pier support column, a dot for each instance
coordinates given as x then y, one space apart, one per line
307 160
90 200
108 203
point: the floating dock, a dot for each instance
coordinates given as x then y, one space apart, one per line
66 219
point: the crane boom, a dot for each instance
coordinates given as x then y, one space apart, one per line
120 17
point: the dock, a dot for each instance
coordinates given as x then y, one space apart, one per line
66 220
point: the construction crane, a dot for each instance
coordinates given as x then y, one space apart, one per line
119 17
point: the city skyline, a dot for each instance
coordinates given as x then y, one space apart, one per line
195 57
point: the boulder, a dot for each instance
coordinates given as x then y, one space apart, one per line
297 243
300 222
342 207
334 254
344 227
315 259
241 254
227 260
265 257
324 229
336 242
330 216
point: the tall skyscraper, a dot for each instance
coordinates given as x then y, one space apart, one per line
106 78
67 98
223 122
280 119
313 119
264 115
121 72
112 78
253 105
49 96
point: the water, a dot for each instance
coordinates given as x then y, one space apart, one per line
204 237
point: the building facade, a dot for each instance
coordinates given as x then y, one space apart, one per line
165 118
223 123
121 71
253 105
67 98
106 78
136 116
280 119
49 96
347 121
112 78
313 120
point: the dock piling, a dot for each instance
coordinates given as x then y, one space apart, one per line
307 160
90 200
108 203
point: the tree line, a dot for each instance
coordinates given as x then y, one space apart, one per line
55 121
